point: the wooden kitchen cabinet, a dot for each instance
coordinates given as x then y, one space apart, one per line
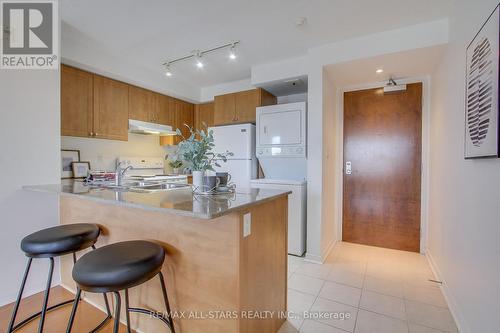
224 106
142 105
111 109
236 108
76 102
165 110
98 107
203 113
183 113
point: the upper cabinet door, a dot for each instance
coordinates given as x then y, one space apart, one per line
76 102
142 105
246 103
203 114
111 108
224 109
240 107
184 115
165 109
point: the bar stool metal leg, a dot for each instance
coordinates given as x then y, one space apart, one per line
127 312
46 297
117 312
167 305
19 296
14 327
45 309
73 311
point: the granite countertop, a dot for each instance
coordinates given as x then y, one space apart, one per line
177 201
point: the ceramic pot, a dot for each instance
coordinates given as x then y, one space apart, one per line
198 180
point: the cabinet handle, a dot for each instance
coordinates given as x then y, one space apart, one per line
96 134
91 133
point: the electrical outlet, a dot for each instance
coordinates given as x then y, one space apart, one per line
247 224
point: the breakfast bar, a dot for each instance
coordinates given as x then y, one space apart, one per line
226 255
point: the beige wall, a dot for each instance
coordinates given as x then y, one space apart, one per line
330 197
29 155
464 219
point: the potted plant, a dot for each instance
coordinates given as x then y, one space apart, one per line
197 150
175 165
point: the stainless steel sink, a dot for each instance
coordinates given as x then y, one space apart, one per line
156 187
143 186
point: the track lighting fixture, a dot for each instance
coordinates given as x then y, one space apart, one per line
198 54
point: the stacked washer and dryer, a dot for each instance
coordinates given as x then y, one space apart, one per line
281 149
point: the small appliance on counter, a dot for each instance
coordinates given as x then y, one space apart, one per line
281 149
148 169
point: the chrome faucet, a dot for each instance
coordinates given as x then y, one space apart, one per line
120 173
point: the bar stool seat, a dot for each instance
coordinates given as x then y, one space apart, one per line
119 266
60 240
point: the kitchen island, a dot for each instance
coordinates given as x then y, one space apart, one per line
221 276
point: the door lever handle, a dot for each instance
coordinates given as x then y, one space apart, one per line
348 168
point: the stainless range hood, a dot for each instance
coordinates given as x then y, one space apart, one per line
142 127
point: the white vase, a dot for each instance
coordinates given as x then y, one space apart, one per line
198 180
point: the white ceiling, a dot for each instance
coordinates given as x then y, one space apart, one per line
147 33
409 64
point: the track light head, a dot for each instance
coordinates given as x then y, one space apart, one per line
232 52
168 72
199 63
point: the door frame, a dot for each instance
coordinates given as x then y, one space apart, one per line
424 195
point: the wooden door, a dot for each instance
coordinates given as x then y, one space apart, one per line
76 102
224 109
142 104
383 144
110 109
203 114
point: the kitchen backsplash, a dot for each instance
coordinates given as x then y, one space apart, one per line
102 154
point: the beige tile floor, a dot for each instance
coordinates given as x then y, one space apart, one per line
382 290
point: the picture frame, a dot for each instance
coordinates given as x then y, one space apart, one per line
68 156
80 169
482 91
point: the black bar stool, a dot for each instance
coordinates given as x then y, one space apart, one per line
117 267
50 243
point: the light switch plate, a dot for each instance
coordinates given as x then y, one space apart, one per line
247 224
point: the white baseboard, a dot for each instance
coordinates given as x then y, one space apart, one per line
320 259
448 295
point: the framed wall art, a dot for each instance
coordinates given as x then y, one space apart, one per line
80 169
67 158
481 98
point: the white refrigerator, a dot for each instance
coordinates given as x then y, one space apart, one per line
239 140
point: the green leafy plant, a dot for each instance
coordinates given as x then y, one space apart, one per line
175 164
197 149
